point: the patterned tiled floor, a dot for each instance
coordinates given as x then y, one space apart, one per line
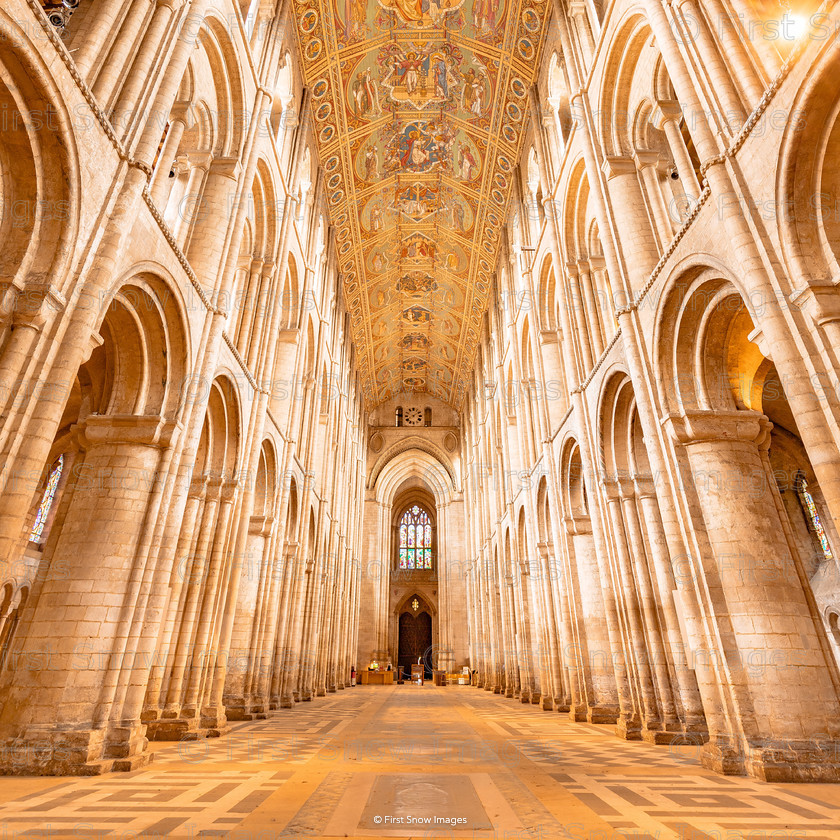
459 762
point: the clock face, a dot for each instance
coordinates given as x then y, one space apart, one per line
413 417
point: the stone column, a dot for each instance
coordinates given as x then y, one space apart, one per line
588 300
647 162
787 727
595 650
697 31
116 61
580 16
172 730
54 687
202 651
637 243
180 119
267 282
187 209
16 353
215 203
282 651
560 627
604 293
666 117
625 587
182 570
694 719
551 614
104 14
140 74
577 303
649 610
243 652
248 304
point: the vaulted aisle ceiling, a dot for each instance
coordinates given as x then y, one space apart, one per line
419 110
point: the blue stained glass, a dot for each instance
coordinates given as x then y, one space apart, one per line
46 502
810 506
415 539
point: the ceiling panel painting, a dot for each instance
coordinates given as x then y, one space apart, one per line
419 109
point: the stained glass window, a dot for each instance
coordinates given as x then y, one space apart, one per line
37 534
415 539
807 502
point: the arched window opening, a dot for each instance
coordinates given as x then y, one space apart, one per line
37 533
812 516
399 415
427 417
9 626
834 627
415 539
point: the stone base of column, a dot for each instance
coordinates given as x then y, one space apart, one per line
579 714
321 692
242 708
776 762
546 703
688 736
720 755
128 745
83 752
214 721
787 761
628 728
175 729
178 725
660 735
603 714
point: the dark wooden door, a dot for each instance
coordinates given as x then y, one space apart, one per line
415 640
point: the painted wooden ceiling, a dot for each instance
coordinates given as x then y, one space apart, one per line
419 110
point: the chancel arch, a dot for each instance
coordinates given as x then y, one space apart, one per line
413 479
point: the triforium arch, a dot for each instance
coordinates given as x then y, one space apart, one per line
755 497
39 183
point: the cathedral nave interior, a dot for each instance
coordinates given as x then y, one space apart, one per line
419 418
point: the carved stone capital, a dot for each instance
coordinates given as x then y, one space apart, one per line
698 426
615 166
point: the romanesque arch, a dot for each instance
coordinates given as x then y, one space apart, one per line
721 391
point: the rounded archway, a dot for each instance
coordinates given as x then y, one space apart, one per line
412 493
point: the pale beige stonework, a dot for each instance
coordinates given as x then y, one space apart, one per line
622 532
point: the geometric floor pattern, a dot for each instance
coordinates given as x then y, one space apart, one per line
409 761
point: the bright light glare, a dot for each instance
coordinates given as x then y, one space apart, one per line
793 27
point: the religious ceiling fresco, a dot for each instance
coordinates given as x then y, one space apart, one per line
419 110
